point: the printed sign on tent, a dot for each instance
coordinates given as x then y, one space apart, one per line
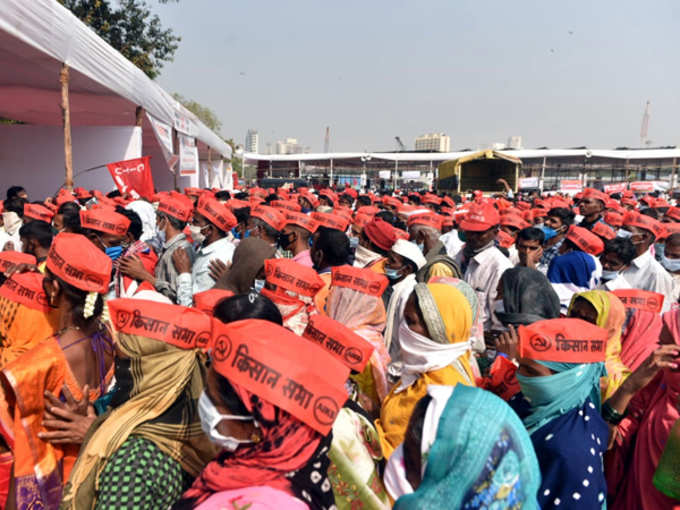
528 182
188 156
642 186
615 188
570 186
163 133
133 176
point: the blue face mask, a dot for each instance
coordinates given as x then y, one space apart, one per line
659 250
421 247
353 242
306 210
549 232
392 274
235 233
114 252
609 275
671 265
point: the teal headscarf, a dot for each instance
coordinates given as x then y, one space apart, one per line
482 457
554 395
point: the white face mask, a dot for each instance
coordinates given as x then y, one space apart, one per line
197 233
609 275
11 222
498 306
211 417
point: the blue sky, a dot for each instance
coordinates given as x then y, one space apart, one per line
560 74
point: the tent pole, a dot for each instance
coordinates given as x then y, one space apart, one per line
211 174
175 143
139 116
66 122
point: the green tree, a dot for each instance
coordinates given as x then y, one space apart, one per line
207 116
131 29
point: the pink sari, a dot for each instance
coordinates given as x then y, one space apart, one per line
641 438
640 338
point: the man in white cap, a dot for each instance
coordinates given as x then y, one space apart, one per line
403 262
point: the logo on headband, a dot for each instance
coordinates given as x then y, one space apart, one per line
325 410
222 348
540 343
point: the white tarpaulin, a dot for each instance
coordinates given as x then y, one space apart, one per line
163 133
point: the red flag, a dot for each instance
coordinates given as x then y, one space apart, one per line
133 176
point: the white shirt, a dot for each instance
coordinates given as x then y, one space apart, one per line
14 239
223 250
452 243
647 274
482 274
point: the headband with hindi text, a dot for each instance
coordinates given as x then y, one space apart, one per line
567 340
340 341
640 299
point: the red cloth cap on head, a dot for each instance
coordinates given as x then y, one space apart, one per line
51 206
302 220
329 195
272 217
514 220
287 205
504 239
660 202
391 201
370 210
447 221
82 193
180 326
289 275
596 194
330 220
672 228
480 217
64 196
359 279
524 206
635 219
673 213
207 300
604 231
613 218
428 219
640 299
339 341
431 199
503 204
563 340
193 192
235 203
282 369
38 212
345 212
401 234
179 208
585 240
360 220
9 259
351 192
629 201
216 213
309 197
380 233
26 289
104 219
449 201
74 259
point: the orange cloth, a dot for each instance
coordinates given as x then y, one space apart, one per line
322 296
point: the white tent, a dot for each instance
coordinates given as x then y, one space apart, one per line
105 89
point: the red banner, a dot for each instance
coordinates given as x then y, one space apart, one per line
133 177
565 340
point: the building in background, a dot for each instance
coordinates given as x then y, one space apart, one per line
434 142
290 146
252 141
515 142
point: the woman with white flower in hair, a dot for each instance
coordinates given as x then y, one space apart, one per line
73 364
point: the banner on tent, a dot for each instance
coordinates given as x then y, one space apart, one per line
188 156
163 133
133 176
570 186
642 186
528 182
615 188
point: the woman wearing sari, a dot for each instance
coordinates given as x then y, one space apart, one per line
434 335
605 310
145 450
77 274
640 336
449 461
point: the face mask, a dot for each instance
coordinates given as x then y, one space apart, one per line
392 274
353 242
538 225
246 233
421 247
284 240
211 417
461 236
258 285
114 252
160 235
235 233
625 234
11 221
498 306
609 275
671 265
659 250
306 210
549 232
197 233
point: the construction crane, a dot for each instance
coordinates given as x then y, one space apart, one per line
401 145
327 140
644 128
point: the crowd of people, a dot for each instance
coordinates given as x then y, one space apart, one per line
328 349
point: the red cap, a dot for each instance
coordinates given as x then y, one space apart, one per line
629 201
604 231
480 217
361 280
370 210
74 259
514 220
585 240
26 289
179 208
216 213
428 219
290 373
183 327
563 340
289 275
613 218
360 220
330 220
302 220
391 201
82 193
270 216
288 205
105 220
9 259
339 341
235 203
673 213
635 219
38 212
351 192
329 195
504 239
207 300
313 201
380 233
64 196
193 192
431 199
597 195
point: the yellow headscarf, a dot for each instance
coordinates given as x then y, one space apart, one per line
611 315
448 317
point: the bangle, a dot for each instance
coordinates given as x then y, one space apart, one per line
611 415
